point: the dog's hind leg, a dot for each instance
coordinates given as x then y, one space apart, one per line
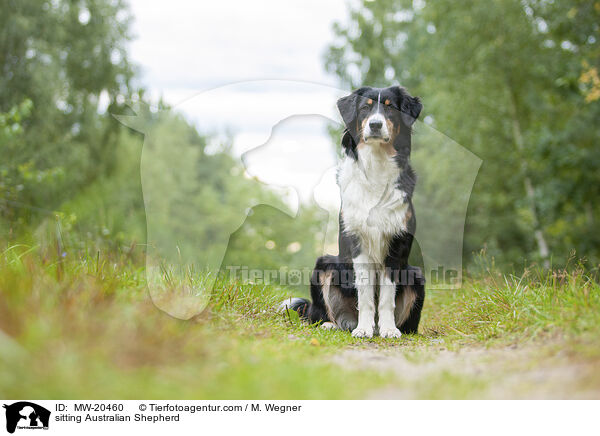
312 311
341 306
410 297
317 310
333 294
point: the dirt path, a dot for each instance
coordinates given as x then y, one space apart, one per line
497 373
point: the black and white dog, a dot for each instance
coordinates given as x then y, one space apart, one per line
370 285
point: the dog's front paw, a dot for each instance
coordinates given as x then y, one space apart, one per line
362 332
328 326
389 332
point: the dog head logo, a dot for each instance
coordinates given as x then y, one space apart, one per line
26 415
271 114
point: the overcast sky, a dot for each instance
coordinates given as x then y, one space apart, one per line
187 48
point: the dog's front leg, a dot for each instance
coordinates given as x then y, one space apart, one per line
385 308
365 285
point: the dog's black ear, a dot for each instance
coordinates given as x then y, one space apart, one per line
347 107
349 143
410 107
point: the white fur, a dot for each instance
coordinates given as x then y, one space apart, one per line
374 210
329 326
364 276
386 308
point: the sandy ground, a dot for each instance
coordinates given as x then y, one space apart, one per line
476 373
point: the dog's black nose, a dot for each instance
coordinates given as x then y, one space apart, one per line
375 125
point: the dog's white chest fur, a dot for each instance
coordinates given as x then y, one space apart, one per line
372 207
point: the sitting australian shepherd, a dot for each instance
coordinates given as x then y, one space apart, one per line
369 287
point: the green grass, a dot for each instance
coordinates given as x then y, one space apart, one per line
534 307
86 328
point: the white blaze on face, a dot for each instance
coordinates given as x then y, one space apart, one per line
383 134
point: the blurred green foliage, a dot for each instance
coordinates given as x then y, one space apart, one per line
70 172
514 82
68 59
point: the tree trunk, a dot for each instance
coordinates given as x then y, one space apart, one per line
529 188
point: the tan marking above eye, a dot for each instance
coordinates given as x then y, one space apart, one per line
387 102
369 101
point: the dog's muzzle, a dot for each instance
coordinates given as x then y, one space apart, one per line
376 129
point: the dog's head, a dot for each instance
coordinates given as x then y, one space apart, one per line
379 117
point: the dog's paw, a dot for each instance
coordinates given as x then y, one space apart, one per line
328 326
361 332
389 332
